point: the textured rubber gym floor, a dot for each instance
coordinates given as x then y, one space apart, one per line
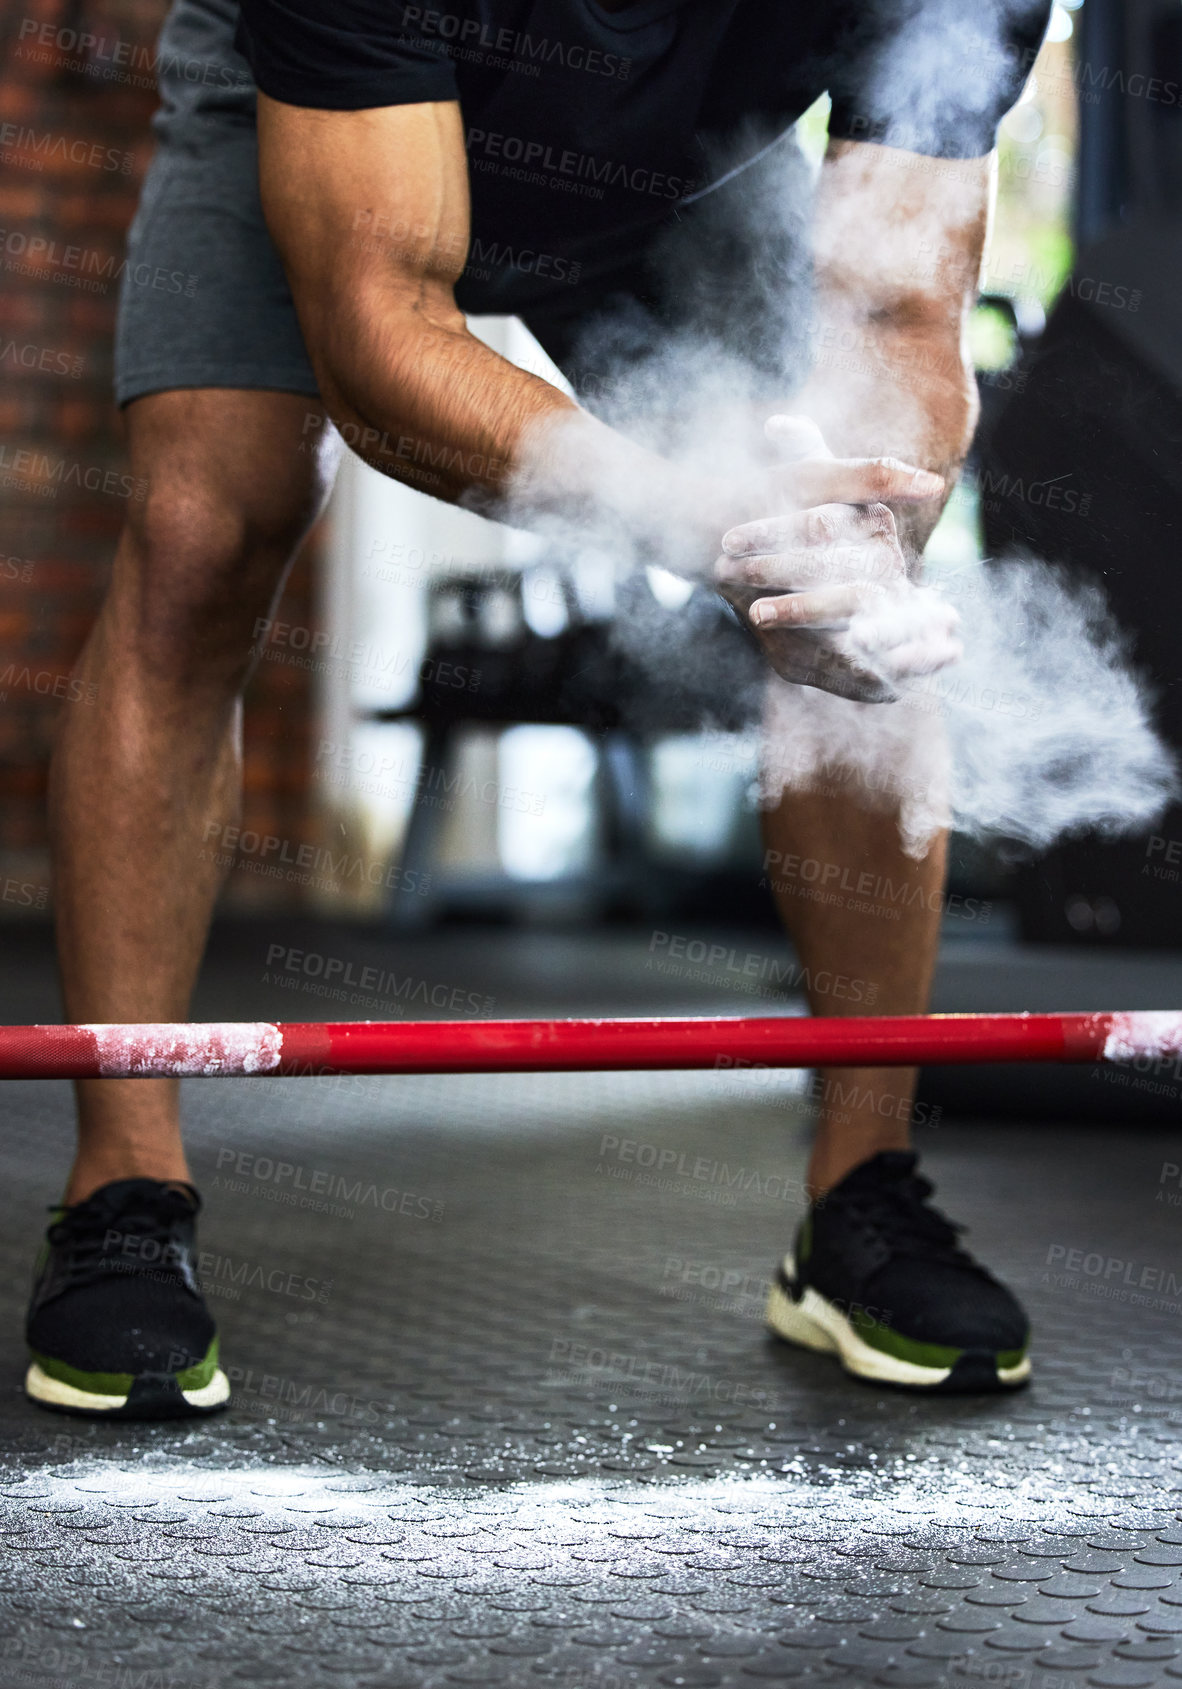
505 1412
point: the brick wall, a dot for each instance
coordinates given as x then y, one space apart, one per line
73 150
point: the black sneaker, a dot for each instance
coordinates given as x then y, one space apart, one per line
878 1277
117 1324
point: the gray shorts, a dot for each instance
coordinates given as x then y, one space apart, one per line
205 301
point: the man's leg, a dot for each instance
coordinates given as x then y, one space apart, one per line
888 954
234 481
877 1273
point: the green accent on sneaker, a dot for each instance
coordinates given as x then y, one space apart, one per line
197 1376
894 1343
804 1240
99 1383
194 1377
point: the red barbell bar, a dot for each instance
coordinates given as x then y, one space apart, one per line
293 1049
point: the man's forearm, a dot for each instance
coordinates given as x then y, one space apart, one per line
418 395
907 390
933 369
898 244
431 405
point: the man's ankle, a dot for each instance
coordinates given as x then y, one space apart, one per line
87 1176
839 1149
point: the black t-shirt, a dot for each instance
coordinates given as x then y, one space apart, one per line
586 128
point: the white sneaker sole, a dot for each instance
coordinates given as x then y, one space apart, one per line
55 1393
816 1324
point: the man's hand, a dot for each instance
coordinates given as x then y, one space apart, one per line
826 585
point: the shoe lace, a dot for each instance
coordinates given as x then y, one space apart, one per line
85 1236
900 1215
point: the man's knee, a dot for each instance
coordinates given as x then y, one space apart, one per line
199 572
